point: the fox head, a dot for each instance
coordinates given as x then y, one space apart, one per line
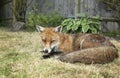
50 38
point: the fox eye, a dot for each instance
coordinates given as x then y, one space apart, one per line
43 40
52 41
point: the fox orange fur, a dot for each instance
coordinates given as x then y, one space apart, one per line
85 48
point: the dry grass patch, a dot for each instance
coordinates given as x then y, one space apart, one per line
20 58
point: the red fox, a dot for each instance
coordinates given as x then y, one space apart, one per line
84 48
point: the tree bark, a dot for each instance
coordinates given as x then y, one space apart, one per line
14 11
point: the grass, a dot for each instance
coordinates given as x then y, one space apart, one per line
115 33
20 58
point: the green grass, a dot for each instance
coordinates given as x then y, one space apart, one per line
20 58
115 33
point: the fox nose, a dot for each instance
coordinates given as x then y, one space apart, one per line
46 50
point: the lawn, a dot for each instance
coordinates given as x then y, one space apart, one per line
20 57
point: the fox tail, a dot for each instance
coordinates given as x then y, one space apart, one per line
98 55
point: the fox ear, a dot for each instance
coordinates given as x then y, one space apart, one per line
58 29
40 28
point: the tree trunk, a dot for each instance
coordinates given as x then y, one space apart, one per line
14 11
19 10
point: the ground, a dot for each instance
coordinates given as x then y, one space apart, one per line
20 57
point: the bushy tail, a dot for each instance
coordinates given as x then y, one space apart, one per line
99 55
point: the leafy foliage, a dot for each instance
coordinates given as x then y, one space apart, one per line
83 25
50 19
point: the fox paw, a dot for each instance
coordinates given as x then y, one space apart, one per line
46 56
